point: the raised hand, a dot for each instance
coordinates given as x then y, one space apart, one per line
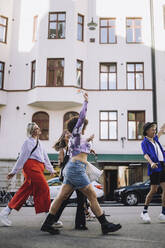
163 127
86 96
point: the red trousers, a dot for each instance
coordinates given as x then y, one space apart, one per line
35 184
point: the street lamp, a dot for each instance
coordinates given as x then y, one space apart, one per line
92 25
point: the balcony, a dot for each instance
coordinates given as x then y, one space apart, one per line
3 98
54 98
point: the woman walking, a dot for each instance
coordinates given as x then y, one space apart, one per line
75 176
62 147
154 154
33 160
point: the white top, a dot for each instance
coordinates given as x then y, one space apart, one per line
158 151
39 154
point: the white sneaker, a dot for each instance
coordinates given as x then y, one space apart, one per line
146 218
90 217
162 218
58 224
4 219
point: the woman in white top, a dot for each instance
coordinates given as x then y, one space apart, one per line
33 160
155 156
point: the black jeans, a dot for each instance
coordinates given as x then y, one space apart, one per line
80 219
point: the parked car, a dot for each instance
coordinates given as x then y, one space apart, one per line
55 186
135 193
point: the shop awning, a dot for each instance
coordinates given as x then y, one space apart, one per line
116 158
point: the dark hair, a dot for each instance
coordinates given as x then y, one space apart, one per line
147 126
71 123
61 143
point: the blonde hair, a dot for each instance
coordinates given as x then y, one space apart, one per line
30 128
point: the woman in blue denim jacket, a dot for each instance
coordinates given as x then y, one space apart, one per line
154 154
75 176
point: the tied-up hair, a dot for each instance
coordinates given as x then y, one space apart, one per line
30 128
71 123
61 143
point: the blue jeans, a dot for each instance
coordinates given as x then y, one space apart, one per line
75 174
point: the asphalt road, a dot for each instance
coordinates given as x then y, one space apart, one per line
25 232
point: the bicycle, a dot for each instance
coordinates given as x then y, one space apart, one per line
5 195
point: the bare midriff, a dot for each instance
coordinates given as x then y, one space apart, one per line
81 157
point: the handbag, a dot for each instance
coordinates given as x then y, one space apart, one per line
93 172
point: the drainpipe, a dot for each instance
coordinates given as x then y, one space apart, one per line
153 65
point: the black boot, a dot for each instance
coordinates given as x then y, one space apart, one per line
47 225
106 226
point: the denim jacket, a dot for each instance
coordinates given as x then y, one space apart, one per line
148 148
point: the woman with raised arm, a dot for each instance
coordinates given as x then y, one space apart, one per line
75 176
80 221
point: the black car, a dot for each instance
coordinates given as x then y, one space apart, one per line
135 193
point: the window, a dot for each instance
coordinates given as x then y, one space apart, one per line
3 29
134 30
108 76
67 116
136 120
79 73
108 125
55 72
135 76
57 23
42 120
2 70
33 73
164 16
35 22
107 31
80 27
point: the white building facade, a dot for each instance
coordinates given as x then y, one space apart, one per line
48 53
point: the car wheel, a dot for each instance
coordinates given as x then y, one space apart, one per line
131 199
30 201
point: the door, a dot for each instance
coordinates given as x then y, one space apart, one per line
111 183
